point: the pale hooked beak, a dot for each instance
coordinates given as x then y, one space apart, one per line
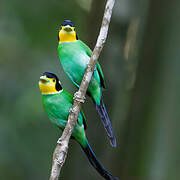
44 79
68 28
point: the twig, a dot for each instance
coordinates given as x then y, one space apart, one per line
61 149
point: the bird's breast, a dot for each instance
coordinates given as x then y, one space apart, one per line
75 63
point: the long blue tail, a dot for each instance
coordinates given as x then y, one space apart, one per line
106 122
96 164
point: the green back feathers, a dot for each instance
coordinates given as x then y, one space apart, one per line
89 53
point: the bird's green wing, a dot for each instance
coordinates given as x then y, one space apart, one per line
101 74
68 96
98 66
84 119
86 48
60 123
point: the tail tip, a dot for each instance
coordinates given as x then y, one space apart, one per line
116 178
113 142
113 178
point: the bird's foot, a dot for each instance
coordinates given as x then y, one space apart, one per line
59 141
78 97
91 69
71 110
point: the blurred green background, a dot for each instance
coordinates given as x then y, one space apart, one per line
140 60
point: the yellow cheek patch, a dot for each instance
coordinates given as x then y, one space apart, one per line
47 88
67 36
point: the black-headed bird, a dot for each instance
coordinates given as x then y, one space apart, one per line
57 103
74 56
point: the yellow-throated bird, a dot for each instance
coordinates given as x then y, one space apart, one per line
57 103
74 56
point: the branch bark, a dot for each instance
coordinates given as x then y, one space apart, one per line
60 152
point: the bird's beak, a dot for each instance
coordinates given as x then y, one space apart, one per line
44 79
68 28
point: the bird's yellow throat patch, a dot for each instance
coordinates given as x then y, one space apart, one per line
47 89
65 36
47 85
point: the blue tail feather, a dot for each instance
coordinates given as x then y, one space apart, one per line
96 164
106 122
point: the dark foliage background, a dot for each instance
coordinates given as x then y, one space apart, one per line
141 65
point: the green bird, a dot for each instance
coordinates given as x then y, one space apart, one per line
74 56
57 103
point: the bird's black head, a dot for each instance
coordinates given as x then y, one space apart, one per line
67 22
67 32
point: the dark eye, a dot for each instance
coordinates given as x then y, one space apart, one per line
53 80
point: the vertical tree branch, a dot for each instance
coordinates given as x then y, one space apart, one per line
61 149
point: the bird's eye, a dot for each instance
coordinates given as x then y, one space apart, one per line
53 80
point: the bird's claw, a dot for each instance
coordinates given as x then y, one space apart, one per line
78 97
91 69
59 141
71 110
